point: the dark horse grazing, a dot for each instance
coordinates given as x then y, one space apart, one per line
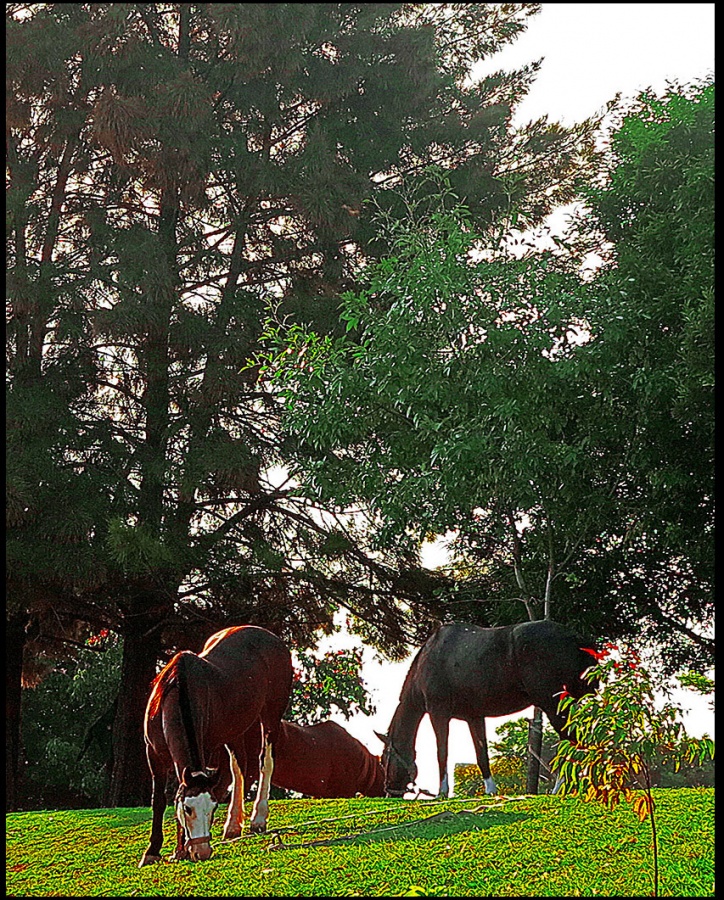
199 711
466 672
322 760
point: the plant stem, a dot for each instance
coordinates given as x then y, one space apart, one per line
653 829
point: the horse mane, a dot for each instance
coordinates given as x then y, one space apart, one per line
160 685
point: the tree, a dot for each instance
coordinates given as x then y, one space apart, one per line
531 411
458 408
173 167
652 313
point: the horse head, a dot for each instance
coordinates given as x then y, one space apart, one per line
195 808
400 772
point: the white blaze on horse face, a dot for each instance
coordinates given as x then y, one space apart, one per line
260 813
196 813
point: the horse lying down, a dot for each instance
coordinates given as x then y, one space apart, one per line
321 760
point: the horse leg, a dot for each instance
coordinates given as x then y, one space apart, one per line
260 812
158 805
235 816
441 726
477 732
180 852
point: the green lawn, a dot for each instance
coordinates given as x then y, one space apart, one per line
534 846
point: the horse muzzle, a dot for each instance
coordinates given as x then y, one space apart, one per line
199 848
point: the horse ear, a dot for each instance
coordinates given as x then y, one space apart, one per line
383 737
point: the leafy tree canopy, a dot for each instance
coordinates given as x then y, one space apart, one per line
173 169
562 428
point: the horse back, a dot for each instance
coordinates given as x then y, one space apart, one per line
242 675
465 671
254 665
322 760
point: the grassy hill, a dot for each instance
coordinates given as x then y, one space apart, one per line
531 846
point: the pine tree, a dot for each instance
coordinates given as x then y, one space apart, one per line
178 170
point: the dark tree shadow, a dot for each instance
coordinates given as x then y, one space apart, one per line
442 824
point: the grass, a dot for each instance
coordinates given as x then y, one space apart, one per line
532 846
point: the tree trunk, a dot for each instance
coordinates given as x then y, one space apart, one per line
535 748
131 779
14 646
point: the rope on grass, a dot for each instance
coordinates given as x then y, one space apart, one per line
277 842
445 815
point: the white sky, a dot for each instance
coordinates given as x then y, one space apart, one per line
592 51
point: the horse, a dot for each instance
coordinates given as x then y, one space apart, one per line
198 713
322 760
467 672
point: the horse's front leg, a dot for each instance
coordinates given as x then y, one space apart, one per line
235 815
477 732
180 852
441 726
260 812
158 805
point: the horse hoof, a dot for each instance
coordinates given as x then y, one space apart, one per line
232 834
148 859
258 827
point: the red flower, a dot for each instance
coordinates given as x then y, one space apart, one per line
564 693
598 655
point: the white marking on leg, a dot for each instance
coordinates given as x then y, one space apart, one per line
235 815
557 785
444 787
260 812
490 786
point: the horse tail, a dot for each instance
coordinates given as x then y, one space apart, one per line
186 712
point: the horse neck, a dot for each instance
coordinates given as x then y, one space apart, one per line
375 777
406 720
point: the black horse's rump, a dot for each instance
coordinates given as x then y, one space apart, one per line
466 672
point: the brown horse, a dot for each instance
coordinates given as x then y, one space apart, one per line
200 709
322 760
466 672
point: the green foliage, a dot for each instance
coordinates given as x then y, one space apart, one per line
618 734
486 395
171 168
324 684
542 846
698 682
652 314
61 769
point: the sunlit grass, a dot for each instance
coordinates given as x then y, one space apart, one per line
544 846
